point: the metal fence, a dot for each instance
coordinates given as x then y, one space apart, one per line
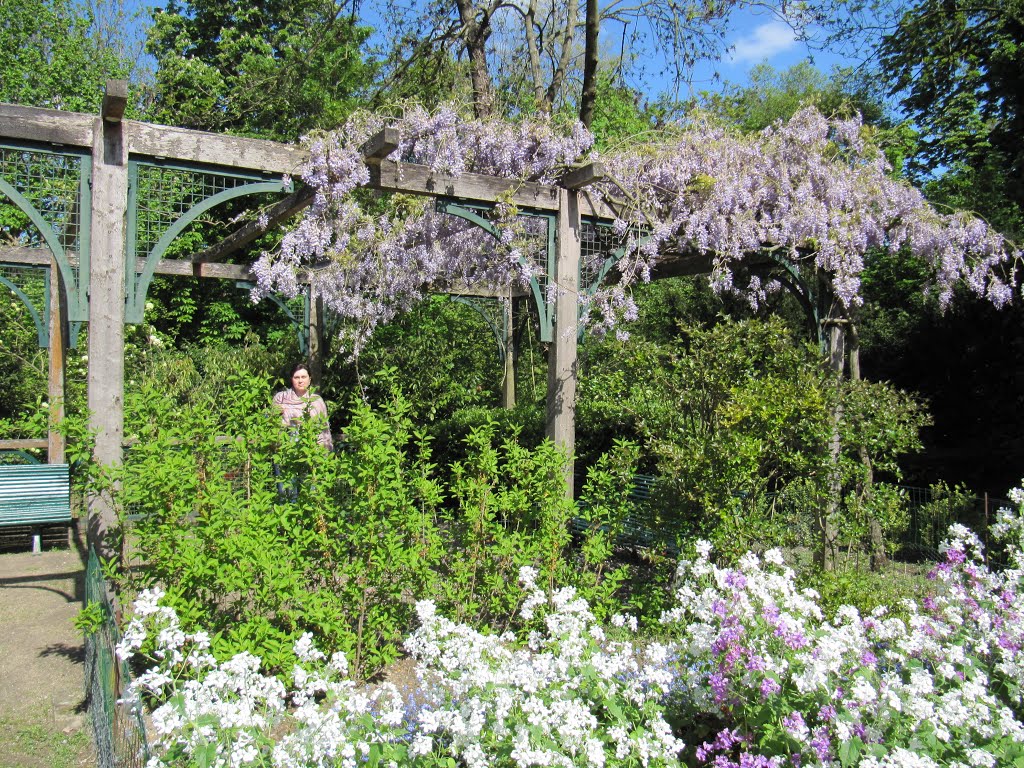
933 510
118 731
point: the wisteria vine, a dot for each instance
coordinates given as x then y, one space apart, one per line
810 189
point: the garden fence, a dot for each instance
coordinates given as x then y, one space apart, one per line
118 730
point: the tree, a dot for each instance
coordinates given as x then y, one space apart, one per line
53 55
957 67
555 49
274 68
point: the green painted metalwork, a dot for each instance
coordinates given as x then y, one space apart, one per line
497 321
163 200
51 188
42 326
538 283
301 326
6 453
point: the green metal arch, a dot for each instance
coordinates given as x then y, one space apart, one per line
42 331
301 328
469 214
473 302
44 229
135 310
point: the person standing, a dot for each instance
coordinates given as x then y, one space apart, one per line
297 401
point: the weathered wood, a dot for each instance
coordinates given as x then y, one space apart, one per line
508 384
57 354
421 180
181 267
115 100
217 149
583 176
562 352
316 338
22 445
380 145
51 126
107 314
280 211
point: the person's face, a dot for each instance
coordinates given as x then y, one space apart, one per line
300 381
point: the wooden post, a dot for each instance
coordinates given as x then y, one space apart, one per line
316 337
562 363
508 390
57 353
107 302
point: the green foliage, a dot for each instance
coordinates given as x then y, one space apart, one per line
89 619
50 56
263 535
275 70
738 421
957 72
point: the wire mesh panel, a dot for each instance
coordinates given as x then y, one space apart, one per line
118 730
51 183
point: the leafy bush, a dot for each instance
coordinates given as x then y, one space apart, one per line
262 535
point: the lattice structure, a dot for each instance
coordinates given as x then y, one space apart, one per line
51 182
164 199
42 196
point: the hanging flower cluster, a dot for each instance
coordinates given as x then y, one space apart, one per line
809 189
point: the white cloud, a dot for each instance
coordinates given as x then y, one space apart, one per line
764 42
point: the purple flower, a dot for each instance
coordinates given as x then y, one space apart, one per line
769 687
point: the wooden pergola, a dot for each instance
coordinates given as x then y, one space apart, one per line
101 262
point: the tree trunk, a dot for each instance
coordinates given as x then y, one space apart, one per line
877 541
828 545
590 54
475 34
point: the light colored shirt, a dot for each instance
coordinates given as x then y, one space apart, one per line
293 407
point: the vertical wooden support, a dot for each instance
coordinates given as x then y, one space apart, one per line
562 363
508 390
829 547
58 353
107 302
316 337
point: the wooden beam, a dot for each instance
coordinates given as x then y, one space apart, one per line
190 146
182 267
115 100
380 145
562 352
241 237
51 126
583 176
421 180
22 445
106 316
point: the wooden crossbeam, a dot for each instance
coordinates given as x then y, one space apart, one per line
583 176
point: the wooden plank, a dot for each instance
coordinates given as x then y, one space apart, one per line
583 176
51 126
57 353
380 145
182 144
562 352
22 445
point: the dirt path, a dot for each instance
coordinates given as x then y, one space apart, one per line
42 698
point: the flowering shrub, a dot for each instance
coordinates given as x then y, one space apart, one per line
566 695
751 674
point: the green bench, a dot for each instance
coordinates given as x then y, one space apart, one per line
34 495
635 533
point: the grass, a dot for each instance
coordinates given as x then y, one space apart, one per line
28 744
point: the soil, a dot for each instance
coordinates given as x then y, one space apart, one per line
42 692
